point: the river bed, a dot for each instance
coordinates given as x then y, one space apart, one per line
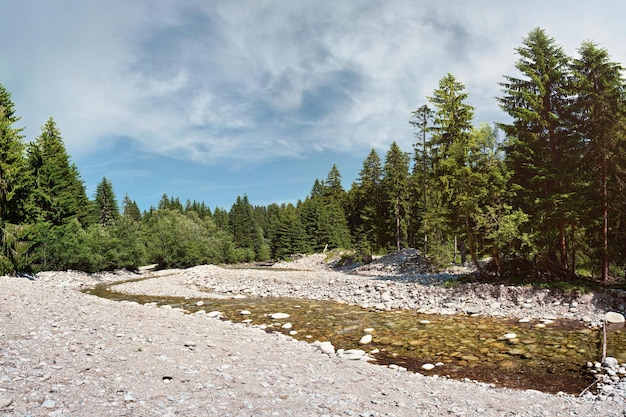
546 355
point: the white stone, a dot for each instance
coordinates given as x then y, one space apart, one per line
245 312
200 303
424 321
386 297
214 314
524 320
510 336
49 404
366 339
287 326
327 348
278 316
368 330
428 366
472 309
613 317
353 354
5 401
293 332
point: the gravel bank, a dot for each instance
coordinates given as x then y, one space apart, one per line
65 353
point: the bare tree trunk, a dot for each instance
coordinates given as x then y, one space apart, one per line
573 243
563 244
398 223
472 249
605 224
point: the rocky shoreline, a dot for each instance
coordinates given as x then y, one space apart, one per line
65 353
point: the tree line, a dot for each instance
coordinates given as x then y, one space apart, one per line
541 195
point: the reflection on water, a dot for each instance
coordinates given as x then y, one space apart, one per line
544 358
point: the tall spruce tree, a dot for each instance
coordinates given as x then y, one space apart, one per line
15 185
246 232
130 209
600 119
540 148
451 144
14 178
59 193
106 206
421 184
396 184
368 202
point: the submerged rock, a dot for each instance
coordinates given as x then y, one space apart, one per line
278 316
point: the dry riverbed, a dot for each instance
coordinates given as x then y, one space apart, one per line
66 353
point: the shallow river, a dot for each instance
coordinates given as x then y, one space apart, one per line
543 356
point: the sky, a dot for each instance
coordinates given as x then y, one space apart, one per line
210 100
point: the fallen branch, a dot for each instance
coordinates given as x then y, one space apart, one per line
589 386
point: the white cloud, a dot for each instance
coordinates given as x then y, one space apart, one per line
255 81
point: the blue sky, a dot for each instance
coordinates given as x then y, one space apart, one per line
209 100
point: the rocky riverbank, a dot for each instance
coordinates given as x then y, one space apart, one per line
66 353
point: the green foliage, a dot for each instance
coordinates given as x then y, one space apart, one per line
106 206
547 201
17 245
395 187
14 179
178 240
58 194
130 210
246 232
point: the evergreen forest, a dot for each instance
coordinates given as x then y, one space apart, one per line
541 195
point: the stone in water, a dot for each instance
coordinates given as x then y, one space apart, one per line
278 316
365 339
613 317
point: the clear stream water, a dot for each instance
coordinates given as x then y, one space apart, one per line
549 359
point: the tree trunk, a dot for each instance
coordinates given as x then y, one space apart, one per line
563 244
472 249
398 222
605 224
573 243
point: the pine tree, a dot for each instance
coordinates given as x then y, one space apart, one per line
600 110
333 189
106 206
246 232
451 134
59 193
220 217
540 148
396 184
130 209
421 181
14 178
367 203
